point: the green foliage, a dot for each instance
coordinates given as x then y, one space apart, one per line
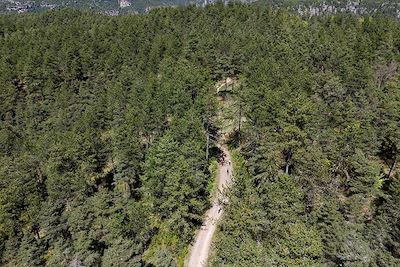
318 162
103 137
212 182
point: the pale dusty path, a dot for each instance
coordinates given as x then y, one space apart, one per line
199 252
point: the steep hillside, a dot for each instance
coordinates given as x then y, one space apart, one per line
111 7
115 7
327 7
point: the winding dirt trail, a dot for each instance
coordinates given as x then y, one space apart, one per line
200 250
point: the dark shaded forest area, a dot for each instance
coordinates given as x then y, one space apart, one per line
103 126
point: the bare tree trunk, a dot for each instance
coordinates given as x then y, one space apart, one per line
240 120
37 232
208 144
287 168
393 166
347 174
288 160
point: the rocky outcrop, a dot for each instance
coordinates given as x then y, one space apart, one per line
124 3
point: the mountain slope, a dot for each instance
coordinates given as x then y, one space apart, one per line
115 7
318 7
111 7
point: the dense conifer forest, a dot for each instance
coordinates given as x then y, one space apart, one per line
104 124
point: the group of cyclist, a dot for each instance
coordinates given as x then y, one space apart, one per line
229 166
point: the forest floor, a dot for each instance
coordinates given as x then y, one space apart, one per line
200 250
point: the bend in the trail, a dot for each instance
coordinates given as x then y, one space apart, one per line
199 252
